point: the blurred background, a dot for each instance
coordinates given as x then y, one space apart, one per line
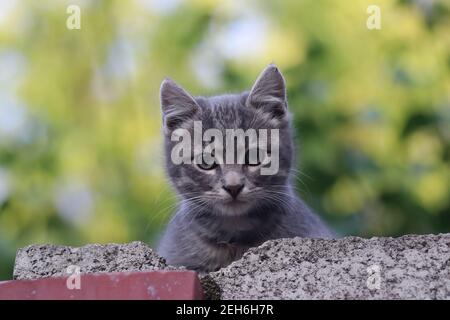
80 141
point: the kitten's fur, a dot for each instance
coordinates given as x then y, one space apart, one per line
210 230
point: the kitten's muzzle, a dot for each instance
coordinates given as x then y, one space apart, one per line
234 190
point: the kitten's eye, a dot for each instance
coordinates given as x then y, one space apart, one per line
206 161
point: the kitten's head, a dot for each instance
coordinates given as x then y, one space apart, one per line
230 188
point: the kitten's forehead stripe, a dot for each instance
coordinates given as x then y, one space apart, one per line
226 112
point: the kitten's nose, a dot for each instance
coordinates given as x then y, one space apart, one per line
234 190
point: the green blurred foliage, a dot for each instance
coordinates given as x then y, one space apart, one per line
80 142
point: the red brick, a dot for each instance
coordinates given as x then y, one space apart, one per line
151 285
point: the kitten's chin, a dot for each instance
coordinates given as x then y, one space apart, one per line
233 207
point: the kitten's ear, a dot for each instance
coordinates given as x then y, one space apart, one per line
269 92
177 105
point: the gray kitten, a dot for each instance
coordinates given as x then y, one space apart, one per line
226 209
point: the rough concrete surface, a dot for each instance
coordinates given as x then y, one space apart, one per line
37 261
409 267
